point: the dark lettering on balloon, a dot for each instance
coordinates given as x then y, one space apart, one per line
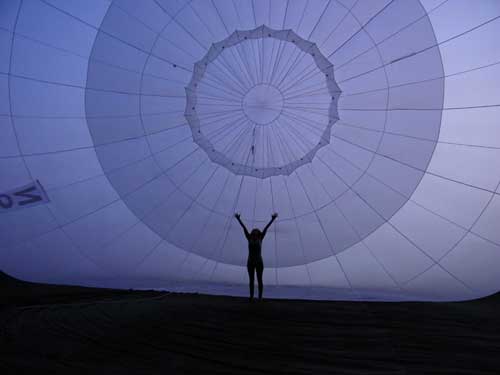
5 201
28 195
32 198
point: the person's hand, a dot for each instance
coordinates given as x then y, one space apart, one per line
274 216
237 215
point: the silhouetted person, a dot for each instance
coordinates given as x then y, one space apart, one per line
255 262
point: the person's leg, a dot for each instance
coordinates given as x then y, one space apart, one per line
251 275
260 271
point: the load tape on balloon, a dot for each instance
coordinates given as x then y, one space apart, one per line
24 196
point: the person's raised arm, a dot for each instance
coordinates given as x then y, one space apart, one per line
238 217
273 217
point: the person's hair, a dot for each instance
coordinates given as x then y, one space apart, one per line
255 231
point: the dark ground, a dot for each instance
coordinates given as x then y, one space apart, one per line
65 330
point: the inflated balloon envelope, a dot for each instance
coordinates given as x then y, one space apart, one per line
370 127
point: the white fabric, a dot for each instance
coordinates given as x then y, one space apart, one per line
380 153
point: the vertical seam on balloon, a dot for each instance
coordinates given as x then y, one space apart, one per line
225 233
401 194
185 211
308 37
467 231
108 34
211 211
353 290
423 50
239 83
306 264
86 58
58 226
247 66
280 51
275 231
229 223
146 135
361 239
434 79
207 258
227 31
424 15
253 47
436 262
324 41
419 169
144 132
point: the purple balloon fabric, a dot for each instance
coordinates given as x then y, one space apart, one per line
369 126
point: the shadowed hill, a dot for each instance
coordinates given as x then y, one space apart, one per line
68 329
6 279
15 292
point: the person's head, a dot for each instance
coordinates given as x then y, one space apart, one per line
255 234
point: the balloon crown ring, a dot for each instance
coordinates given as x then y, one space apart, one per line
261 104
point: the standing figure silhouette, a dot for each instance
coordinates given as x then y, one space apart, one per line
255 262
